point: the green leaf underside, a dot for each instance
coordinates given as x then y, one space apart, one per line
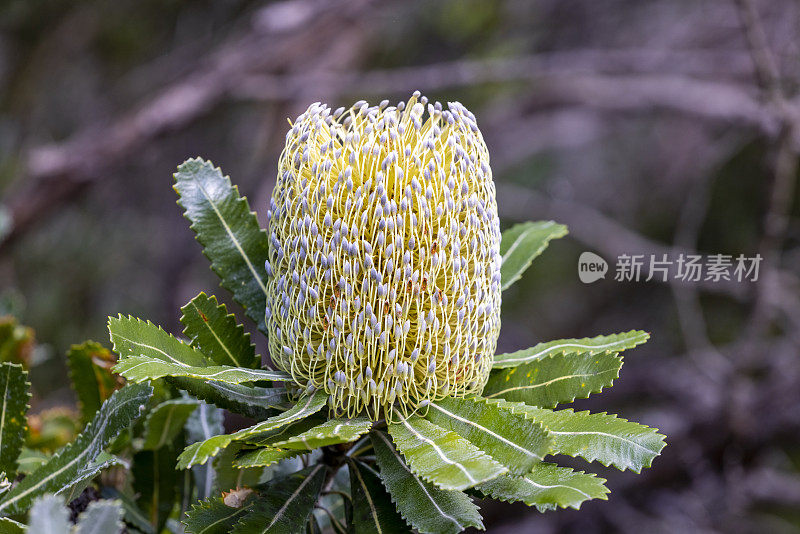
514 441
49 516
16 394
92 383
611 343
100 517
202 425
155 482
228 231
547 487
521 243
141 368
9 526
600 437
441 456
296 428
265 457
200 452
373 510
556 379
165 421
77 460
254 402
214 331
214 516
103 461
331 432
284 505
424 506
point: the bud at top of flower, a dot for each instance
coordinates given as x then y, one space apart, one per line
384 262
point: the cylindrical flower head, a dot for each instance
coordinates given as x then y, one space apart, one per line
384 263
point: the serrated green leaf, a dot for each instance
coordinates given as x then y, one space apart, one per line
134 337
203 424
556 379
103 461
165 421
228 231
509 438
155 482
214 517
441 456
141 368
521 243
330 432
199 453
589 345
16 394
605 438
284 505
77 459
425 507
373 510
548 486
214 331
100 517
49 516
253 402
9 526
90 366
265 457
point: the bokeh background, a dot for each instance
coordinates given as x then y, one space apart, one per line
647 126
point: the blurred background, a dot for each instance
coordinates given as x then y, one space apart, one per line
647 126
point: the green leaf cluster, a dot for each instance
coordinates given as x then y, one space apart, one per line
290 465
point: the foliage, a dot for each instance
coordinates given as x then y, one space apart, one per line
161 446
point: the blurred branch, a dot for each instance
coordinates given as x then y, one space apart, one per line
595 230
776 219
279 33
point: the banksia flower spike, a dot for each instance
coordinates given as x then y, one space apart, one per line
383 283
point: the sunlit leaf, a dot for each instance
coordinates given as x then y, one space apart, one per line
511 439
556 379
600 437
441 456
547 487
589 345
213 516
330 432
